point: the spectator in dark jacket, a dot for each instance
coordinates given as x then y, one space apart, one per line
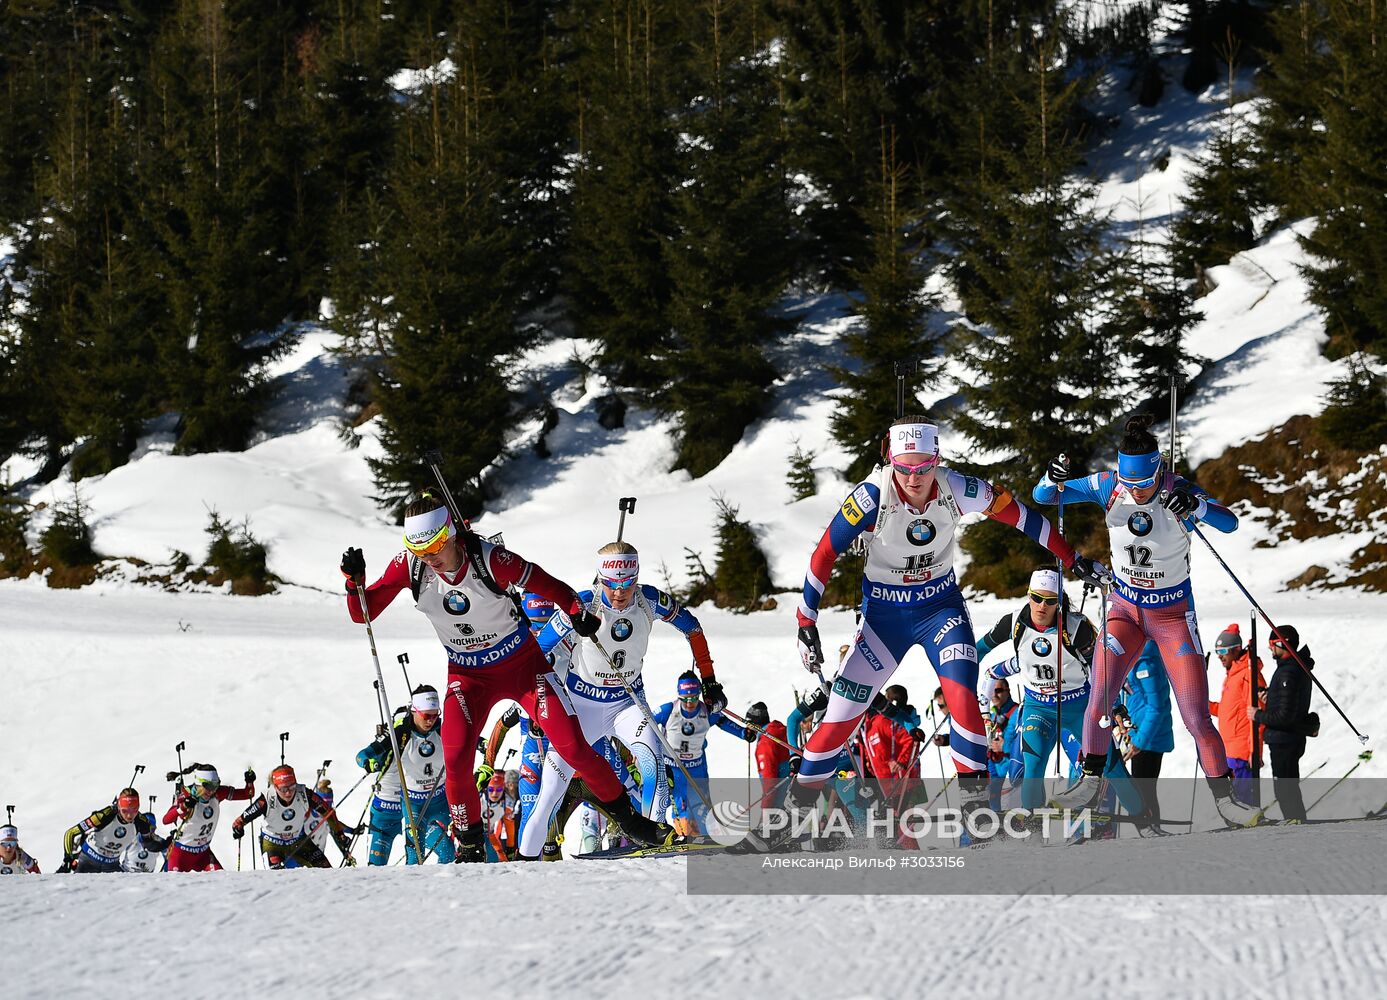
1286 714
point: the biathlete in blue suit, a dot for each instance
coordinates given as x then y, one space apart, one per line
686 733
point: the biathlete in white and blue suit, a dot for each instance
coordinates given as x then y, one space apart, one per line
686 731
910 597
627 611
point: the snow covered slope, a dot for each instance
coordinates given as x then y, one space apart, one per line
628 930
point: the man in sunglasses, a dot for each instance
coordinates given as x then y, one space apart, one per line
1287 716
462 584
421 754
910 597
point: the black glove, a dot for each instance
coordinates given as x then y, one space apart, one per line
713 696
238 829
66 866
1120 712
586 624
354 566
1180 501
919 735
795 761
249 775
1058 469
750 735
811 651
814 702
1090 571
941 739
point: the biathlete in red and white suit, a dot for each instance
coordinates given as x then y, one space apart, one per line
460 583
910 597
1150 513
198 810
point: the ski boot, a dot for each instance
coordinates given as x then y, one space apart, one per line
1234 811
551 851
470 846
634 825
973 792
800 798
1084 793
1152 829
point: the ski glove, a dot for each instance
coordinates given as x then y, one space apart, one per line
749 734
238 829
713 696
1091 571
483 775
795 763
349 861
1001 671
586 624
1181 502
354 566
811 651
1058 469
511 717
249 776
941 739
814 702
919 735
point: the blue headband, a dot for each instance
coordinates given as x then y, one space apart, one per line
1138 471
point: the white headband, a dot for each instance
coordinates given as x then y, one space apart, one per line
914 439
207 774
618 565
425 701
419 528
9 835
1046 581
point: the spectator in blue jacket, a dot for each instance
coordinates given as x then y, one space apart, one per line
1153 734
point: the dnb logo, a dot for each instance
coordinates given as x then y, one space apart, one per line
921 531
1042 646
426 748
621 629
851 690
1140 523
455 602
287 815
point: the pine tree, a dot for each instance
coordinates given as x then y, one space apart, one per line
1227 192
448 272
1037 331
625 74
1355 413
1348 273
730 259
892 330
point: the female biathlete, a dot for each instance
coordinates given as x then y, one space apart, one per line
460 581
1150 512
910 597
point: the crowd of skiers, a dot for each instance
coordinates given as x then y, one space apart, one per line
572 662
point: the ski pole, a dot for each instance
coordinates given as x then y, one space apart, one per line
389 729
1276 633
403 661
755 728
1363 758
139 770
283 739
434 459
1059 621
627 505
938 751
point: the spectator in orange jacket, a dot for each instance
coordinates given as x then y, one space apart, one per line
1231 709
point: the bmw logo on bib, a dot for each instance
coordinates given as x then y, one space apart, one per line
207 812
1041 646
455 602
287 815
621 629
920 532
687 729
119 832
425 748
1140 523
